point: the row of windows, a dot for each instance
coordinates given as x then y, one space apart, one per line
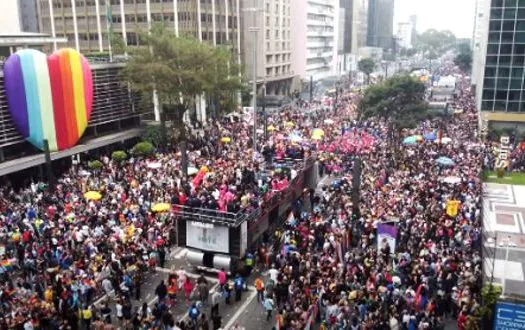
503 106
142 18
503 72
507 37
279 46
508 3
507 13
81 3
492 60
285 58
503 83
505 49
501 95
285 21
278 34
507 25
278 70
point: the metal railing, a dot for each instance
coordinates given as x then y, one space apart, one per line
232 219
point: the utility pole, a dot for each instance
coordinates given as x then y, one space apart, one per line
311 89
254 29
264 113
49 169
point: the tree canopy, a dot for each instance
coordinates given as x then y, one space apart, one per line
434 40
464 58
180 68
367 66
400 100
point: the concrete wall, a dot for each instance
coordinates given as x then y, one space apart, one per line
10 21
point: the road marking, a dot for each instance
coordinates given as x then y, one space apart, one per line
191 275
181 254
213 288
253 294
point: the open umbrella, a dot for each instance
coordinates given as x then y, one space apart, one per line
445 161
161 207
154 165
290 124
192 170
271 128
452 179
410 140
329 121
317 131
317 137
93 195
430 136
295 138
446 140
226 139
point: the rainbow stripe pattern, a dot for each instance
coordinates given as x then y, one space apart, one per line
49 97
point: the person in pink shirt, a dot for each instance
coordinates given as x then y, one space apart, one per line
222 277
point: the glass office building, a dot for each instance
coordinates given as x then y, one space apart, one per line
504 75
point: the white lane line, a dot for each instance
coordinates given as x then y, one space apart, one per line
253 294
191 275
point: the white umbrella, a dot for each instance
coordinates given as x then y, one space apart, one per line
192 170
444 140
329 121
452 179
154 165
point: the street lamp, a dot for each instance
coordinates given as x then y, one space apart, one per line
254 29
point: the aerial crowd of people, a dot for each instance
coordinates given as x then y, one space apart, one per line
60 251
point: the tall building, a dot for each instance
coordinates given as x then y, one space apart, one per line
28 15
359 25
85 23
380 23
500 95
481 19
345 59
314 41
274 48
404 35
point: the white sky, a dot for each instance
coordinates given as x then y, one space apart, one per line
454 15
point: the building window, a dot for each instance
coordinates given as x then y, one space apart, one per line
269 59
267 34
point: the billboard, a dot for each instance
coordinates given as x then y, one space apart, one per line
386 233
509 316
49 98
207 237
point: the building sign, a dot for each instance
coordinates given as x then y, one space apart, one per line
502 160
207 237
49 98
509 316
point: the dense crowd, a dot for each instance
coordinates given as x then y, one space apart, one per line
66 250
332 266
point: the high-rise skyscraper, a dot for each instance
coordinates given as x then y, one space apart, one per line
380 24
500 94
314 38
274 50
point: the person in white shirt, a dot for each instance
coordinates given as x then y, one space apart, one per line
118 308
273 273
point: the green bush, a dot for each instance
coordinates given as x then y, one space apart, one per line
500 172
119 156
143 149
95 165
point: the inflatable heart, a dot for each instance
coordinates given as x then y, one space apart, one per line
49 97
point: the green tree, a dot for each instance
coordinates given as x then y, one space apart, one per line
367 66
179 69
464 59
399 100
143 149
119 156
437 41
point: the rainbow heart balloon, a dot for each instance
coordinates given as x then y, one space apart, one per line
49 97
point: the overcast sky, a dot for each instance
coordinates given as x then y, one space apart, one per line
454 15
